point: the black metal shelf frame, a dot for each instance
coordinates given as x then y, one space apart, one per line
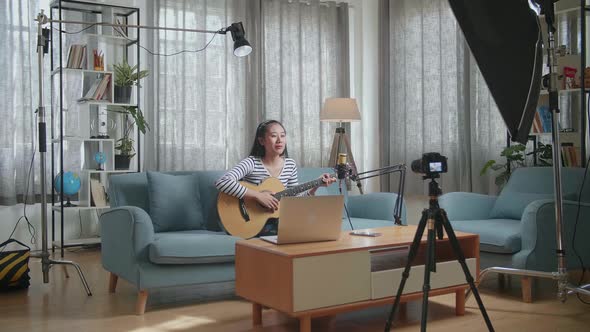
59 8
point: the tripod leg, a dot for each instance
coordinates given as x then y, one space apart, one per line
412 254
429 266
335 149
461 258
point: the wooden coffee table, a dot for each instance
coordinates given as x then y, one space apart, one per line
318 279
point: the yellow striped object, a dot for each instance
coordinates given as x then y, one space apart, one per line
14 267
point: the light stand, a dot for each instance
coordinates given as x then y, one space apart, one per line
341 110
46 262
401 168
564 287
340 137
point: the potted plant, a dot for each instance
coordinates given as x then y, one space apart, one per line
516 157
132 115
125 78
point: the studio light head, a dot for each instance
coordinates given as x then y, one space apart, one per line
241 46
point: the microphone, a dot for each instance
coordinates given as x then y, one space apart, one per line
342 168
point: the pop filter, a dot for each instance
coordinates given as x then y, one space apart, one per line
505 38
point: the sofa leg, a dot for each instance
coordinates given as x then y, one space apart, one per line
526 285
141 302
113 282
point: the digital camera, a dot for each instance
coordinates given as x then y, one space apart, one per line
431 164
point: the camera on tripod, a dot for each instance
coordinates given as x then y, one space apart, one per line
431 165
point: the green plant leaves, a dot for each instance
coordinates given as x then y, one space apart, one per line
125 144
487 166
125 75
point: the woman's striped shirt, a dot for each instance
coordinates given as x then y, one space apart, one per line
252 170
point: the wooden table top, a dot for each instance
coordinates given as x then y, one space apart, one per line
392 236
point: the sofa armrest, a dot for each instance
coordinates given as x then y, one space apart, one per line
126 233
539 239
467 206
375 206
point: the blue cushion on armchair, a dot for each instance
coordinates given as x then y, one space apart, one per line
174 202
511 205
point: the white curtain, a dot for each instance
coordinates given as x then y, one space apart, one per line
305 60
435 99
19 96
204 107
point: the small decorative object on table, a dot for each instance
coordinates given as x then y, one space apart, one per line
71 187
100 158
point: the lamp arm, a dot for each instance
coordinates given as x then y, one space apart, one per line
220 31
399 168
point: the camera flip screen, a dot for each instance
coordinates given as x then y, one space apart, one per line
435 167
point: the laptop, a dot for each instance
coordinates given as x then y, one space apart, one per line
308 219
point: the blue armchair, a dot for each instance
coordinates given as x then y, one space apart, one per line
517 228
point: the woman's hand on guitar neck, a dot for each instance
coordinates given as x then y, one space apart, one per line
327 180
266 200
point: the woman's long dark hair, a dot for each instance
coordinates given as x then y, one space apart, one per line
257 148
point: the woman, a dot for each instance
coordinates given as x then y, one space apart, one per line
268 157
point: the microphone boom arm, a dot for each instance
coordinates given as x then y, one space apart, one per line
399 168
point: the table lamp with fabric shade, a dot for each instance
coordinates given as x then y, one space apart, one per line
341 110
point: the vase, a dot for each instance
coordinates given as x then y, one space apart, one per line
123 94
122 162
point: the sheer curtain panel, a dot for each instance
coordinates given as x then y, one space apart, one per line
19 96
434 98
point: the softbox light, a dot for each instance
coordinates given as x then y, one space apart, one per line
505 39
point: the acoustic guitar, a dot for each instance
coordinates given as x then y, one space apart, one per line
246 218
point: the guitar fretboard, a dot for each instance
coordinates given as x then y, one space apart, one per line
298 189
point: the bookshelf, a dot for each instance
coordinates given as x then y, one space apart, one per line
83 128
571 43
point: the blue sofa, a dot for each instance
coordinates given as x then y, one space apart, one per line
153 251
517 228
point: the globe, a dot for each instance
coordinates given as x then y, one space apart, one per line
100 158
71 183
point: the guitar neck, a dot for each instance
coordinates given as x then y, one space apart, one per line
298 189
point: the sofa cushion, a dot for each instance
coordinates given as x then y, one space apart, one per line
174 202
495 235
511 204
193 247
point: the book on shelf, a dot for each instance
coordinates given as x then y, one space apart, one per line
542 120
569 155
120 31
98 90
98 193
76 57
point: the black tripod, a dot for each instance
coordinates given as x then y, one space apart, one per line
436 219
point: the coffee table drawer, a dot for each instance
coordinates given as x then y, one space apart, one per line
385 283
327 280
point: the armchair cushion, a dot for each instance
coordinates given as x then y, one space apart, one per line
495 235
174 202
511 204
192 247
